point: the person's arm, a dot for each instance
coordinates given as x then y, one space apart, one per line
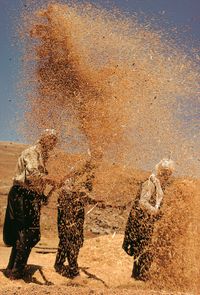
48 180
35 169
20 171
148 189
88 199
45 198
159 191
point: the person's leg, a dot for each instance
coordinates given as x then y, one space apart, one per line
143 253
60 257
10 227
23 250
12 258
72 257
142 266
28 238
135 271
136 249
8 270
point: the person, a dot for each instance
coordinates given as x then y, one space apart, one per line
145 211
72 199
22 219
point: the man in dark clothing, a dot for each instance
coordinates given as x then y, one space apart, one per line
22 220
72 200
144 213
21 227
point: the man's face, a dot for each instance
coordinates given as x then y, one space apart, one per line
165 174
50 142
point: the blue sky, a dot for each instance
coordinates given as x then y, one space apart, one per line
183 14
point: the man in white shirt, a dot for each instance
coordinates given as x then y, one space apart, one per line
143 215
22 221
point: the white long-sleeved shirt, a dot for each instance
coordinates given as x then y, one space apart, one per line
151 195
31 168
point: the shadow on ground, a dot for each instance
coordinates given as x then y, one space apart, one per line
30 271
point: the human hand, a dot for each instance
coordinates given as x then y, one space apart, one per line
128 248
50 181
159 214
154 179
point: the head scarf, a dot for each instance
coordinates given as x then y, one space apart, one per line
165 164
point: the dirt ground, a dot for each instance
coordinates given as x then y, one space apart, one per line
104 267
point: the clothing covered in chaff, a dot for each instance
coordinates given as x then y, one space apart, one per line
72 199
31 168
22 220
140 225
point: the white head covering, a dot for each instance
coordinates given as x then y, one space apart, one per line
48 133
165 164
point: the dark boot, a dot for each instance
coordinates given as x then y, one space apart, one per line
71 273
60 268
17 274
7 272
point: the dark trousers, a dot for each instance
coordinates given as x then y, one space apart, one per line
69 251
27 239
141 265
143 255
138 242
